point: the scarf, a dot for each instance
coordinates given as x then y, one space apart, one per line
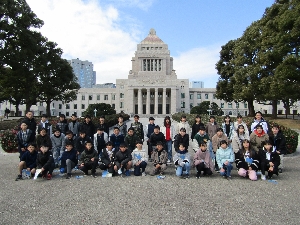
261 134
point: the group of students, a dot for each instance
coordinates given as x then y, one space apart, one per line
216 148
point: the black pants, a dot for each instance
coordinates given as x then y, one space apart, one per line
265 167
201 167
49 170
109 169
89 166
137 169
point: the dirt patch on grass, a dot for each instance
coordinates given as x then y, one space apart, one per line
290 123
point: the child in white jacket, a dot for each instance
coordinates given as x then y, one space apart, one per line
139 159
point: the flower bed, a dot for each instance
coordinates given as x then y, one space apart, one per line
8 141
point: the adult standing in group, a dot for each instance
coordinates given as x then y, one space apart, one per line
196 126
103 125
30 122
138 127
258 119
169 132
122 126
228 127
88 127
74 125
183 124
239 121
62 124
149 129
45 124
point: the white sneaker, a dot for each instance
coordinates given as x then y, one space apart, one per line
144 174
263 177
169 161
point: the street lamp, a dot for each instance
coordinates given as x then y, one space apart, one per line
95 112
209 111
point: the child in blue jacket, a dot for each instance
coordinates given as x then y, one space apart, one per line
225 158
68 159
28 161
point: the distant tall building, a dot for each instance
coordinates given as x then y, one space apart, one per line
196 84
84 72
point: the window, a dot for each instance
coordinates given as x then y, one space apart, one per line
113 106
206 96
198 96
191 106
230 105
82 106
90 97
278 102
191 96
222 105
105 97
135 94
59 106
151 94
82 97
182 95
214 96
75 106
67 114
121 105
41 104
182 104
160 94
152 64
245 105
98 97
53 105
113 97
121 95
168 94
237 105
67 106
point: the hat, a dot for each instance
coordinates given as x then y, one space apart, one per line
151 118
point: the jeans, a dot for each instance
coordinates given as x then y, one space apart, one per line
169 149
227 169
180 169
70 165
56 154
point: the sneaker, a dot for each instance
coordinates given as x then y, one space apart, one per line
169 161
263 177
68 176
198 176
49 176
187 176
85 174
229 178
144 174
19 177
94 175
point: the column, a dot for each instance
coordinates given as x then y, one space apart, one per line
164 101
173 101
156 101
148 102
140 102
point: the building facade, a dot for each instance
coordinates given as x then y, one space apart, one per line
152 88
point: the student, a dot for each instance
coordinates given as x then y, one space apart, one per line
131 139
238 138
88 127
121 125
196 126
182 138
269 160
278 141
200 137
28 161
239 121
228 127
157 136
259 120
62 124
169 132
182 162
30 122
45 162
45 124
80 143
116 138
74 125
183 124
211 127
100 140
247 161
203 161
225 158
57 140
123 161
149 129
24 137
89 159
215 142
257 137
103 125
43 138
138 128
68 159
139 159
160 157
108 159
69 137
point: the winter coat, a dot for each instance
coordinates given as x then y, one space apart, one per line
205 157
195 129
86 156
74 127
30 159
43 140
261 122
57 142
216 141
45 125
279 142
231 129
236 125
211 129
181 139
22 140
138 129
159 158
31 124
139 155
163 129
72 155
237 141
154 138
223 155
107 159
199 138
183 125
245 162
122 158
62 126
117 140
44 160
179 158
65 140
274 158
103 141
89 128
122 128
149 129
257 139
130 141
104 126
80 143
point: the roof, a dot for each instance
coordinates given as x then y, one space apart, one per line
152 38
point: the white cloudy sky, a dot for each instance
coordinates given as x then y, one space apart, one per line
106 32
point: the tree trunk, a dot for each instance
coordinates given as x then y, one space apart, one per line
17 109
28 105
274 109
48 111
251 108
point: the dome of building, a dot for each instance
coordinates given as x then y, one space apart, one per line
152 38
